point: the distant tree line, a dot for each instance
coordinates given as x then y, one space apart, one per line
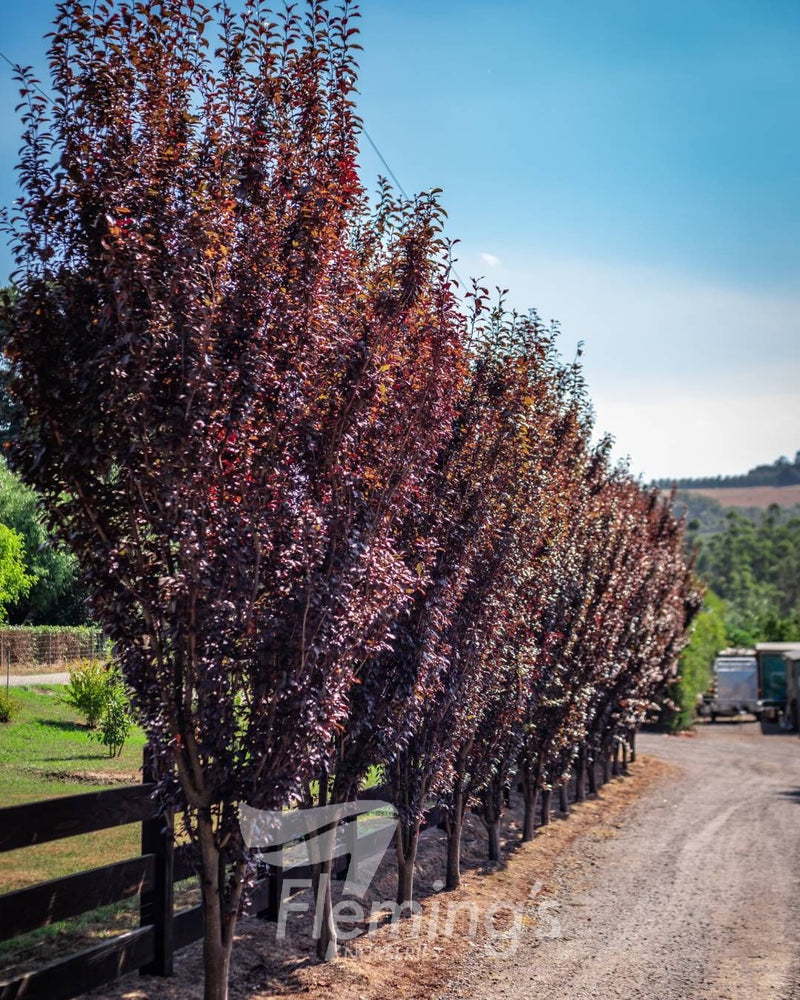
782 472
750 561
755 569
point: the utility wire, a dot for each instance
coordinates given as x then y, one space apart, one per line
381 157
399 187
17 68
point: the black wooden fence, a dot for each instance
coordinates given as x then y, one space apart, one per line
152 876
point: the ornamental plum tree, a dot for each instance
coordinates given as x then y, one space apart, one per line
517 411
235 378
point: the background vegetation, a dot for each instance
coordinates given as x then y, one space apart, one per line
781 472
749 559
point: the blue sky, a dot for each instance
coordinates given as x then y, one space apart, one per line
631 169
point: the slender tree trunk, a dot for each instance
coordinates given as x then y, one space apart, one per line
606 768
547 796
633 746
220 907
530 792
580 777
494 841
615 765
324 924
455 825
624 758
592 768
407 840
491 819
563 797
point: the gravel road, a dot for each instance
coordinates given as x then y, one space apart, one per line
697 894
25 680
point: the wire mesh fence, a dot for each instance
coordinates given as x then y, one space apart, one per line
49 646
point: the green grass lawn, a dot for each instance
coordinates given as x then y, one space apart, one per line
46 751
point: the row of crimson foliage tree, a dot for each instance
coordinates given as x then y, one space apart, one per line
330 518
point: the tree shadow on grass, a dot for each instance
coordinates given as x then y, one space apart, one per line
64 726
100 755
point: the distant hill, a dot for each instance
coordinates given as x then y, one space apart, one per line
780 474
750 496
706 510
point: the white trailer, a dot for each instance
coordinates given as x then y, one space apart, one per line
734 690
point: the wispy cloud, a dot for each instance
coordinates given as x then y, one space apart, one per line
490 259
691 376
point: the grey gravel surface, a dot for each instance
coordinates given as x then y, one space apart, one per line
21 680
696 894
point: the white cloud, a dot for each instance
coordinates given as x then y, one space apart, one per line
490 259
727 426
692 377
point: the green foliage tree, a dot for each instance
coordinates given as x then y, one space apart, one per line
14 581
88 690
755 568
116 720
708 637
55 595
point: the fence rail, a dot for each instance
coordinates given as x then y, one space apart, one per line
151 876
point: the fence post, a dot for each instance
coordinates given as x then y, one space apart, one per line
272 910
157 905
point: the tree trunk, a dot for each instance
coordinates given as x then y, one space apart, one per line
547 796
563 797
615 765
220 908
455 825
493 830
492 797
407 840
324 924
624 758
217 971
633 746
580 777
606 768
592 769
530 792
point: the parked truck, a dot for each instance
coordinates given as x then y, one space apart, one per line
792 712
772 674
734 688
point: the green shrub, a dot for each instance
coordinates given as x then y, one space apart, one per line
9 707
708 637
116 721
88 689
